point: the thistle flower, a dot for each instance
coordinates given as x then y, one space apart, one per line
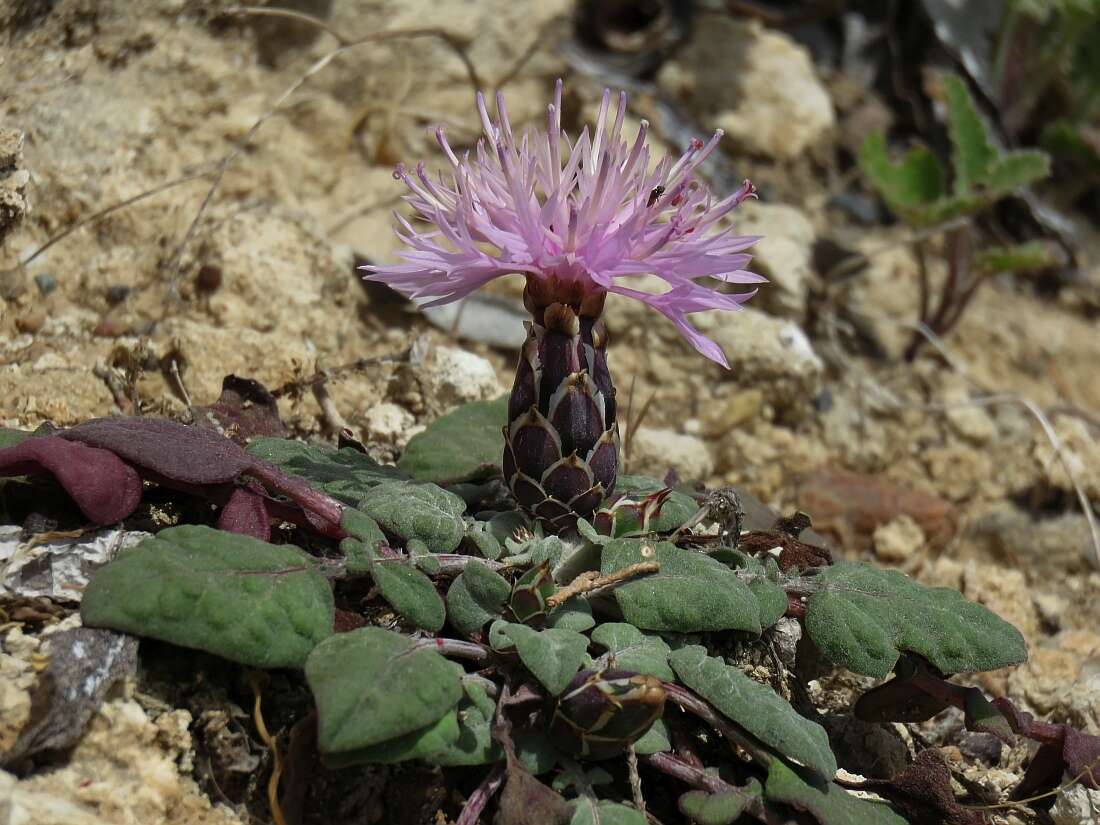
578 219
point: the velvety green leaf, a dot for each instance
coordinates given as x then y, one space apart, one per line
535 751
862 617
374 685
464 444
654 740
476 596
485 542
487 586
243 599
553 656
574 614
907 186
756 708
417 511
972 153
1024 257
592 812
589 534
410 593
718 808
535 551
498 639
10 437
827 802
762 580
425 743
345 474
475 744
364 537
630 649
463 611
690 594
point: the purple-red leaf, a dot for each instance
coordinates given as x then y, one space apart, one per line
244 411
1063 750
192 458
105 488
246 513
166 449
923 792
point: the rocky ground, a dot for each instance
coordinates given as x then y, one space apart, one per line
940 467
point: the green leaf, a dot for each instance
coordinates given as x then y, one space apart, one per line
630 649
827 802
410 593
462 445
756 708
690 594
344 474
973 154
474 744
762 580
417 511
862 618
374 685
908 186
485 542
553 656
476 596
654 740
718 808
364 537
425 743
1024 257
535 751
574 614
1014 171
10 437
592 812
252 602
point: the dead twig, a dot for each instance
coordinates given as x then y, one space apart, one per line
273 746
300 385
107 210
590 580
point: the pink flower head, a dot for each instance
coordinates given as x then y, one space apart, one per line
588 213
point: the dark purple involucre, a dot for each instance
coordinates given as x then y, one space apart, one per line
561 450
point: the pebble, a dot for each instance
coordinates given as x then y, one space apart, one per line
45 282
655 451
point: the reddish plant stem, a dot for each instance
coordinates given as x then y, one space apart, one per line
700 778
457 649
471 811
324 507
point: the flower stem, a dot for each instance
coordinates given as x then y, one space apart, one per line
471 811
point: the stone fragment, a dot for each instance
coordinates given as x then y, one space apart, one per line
655 452
782 255
853 505
898 541
387 423
760 82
